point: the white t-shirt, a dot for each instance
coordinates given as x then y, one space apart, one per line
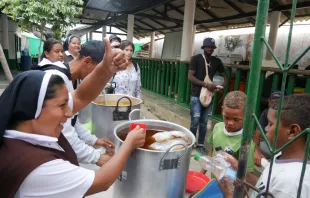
284 180
77 136
53 179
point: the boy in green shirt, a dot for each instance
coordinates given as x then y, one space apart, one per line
227 135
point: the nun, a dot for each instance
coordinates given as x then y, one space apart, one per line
36 159
80 139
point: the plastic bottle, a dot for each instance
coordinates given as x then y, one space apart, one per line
216 166
219 157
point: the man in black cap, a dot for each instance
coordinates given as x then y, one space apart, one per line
115 41
90 55
261 148
196 75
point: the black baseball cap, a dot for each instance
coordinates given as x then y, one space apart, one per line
208 42
94 49
113 37
275 94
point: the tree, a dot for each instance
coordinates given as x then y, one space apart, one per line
35 14
5 66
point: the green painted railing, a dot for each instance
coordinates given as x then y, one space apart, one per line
168 79
287 87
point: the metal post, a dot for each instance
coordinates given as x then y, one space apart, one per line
275 81
307 90
186 48
254 76
5 32
130 26
291 84
152 45
237 80
274 26
104 32
188 30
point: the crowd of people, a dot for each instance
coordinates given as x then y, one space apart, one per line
227 135
39 116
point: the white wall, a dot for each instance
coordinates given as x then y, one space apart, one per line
12 29
300 41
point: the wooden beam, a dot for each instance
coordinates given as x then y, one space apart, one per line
251 14
175 8
160 13
212 15
107 17
158 22
115 19
286 20
239 10
152 27
100 32
178 21
178 10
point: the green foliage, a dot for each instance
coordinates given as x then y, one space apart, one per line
36 13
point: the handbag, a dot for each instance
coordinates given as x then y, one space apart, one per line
206 95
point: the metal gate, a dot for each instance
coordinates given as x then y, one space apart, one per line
254 77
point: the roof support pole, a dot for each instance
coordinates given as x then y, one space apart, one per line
130 25
90 35
104 32
5 30
186 48
274 26
152 45
188 30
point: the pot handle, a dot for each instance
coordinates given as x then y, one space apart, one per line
172 163
136 110
117 115
125 97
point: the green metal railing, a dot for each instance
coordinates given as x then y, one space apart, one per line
168 79
254 78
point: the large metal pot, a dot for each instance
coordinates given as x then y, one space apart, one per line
150 173
106 118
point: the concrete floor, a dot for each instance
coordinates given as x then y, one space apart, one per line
194 166
157 108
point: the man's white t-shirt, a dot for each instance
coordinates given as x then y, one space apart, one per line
284 180
77 136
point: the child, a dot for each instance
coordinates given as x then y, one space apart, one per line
228 134
284 180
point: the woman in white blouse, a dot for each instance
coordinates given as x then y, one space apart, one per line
72 47
128 81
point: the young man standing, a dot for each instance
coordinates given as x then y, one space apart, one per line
196 75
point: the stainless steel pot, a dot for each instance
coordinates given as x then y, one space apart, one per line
150 173
106 118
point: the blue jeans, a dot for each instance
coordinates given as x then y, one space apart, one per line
199 116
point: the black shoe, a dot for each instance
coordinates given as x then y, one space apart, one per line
201 150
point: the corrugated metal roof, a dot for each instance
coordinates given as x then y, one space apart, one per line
210 15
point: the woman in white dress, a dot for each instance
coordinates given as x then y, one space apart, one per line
128 81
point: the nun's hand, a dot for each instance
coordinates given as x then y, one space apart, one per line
114 59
